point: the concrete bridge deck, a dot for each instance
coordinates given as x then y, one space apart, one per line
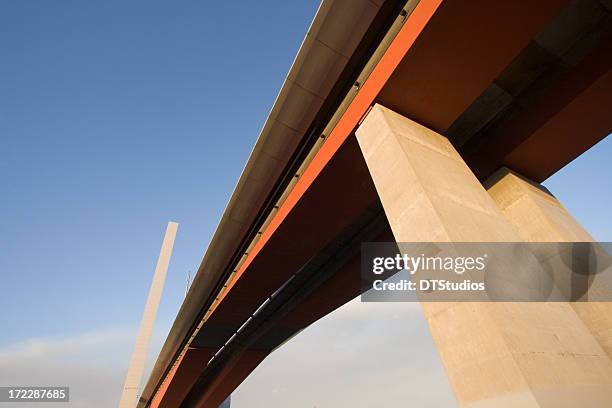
510 84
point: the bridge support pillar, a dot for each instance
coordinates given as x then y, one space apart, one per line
495 354
537 216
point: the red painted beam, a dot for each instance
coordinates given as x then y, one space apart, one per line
358 107
181 378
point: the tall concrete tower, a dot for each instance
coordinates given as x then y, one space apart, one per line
134 373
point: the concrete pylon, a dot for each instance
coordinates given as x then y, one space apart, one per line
137 362
537 216
495 354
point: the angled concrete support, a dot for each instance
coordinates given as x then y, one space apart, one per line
537 216
495 354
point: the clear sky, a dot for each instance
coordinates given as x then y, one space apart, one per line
116 117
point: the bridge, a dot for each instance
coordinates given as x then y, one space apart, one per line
430 120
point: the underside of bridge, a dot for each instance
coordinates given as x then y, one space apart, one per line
521 85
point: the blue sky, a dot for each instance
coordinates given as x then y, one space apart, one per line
116 117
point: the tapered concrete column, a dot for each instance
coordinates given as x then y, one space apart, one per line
537 216
495 354
137 362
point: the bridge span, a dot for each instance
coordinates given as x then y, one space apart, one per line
418 120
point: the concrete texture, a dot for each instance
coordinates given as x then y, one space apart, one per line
537 216
134 374
495 354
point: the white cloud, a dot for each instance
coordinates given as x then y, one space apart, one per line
361 355
92 364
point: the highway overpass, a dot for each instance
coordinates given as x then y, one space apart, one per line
499 94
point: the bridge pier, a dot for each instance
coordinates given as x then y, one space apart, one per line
495 354
537 216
